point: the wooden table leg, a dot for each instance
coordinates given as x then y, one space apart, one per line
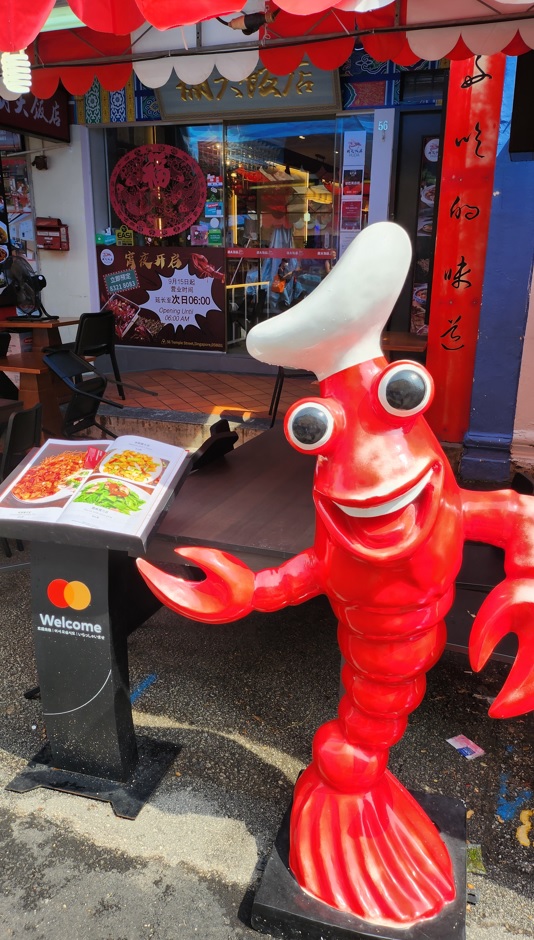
36 389
48 337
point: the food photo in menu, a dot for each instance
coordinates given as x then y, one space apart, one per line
108 485
424 242
4 234
351 214
353 182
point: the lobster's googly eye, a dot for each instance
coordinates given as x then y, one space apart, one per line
310 426
405 390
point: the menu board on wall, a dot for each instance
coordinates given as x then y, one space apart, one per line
165 297
4 229
18 204
424 242
350 221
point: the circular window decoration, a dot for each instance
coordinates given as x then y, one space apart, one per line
157 190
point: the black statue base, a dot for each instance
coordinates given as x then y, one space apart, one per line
282 909
127 799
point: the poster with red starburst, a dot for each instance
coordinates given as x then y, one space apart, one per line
158 190
168 297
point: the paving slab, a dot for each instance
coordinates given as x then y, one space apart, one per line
241 702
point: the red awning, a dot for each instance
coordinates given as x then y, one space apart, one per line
74 45
422 29
329 54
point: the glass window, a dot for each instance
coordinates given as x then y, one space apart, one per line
204 145
279 209
354 146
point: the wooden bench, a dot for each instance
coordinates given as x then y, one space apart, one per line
397 341
36 386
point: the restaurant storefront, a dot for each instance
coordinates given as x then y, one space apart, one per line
206 227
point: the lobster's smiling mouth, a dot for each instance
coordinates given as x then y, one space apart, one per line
389 528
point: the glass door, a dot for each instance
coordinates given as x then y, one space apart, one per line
280 217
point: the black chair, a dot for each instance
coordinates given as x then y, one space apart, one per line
88 386
22 433
95 336
277 391
220 442
5 339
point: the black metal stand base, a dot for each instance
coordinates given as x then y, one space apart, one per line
284 910
127 799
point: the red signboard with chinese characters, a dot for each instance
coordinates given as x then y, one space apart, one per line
166 297
469 153
47 118
158 190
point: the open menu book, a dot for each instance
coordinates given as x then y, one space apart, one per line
114 488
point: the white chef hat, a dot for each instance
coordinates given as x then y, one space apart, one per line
340 323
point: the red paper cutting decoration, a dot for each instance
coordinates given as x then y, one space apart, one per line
158 190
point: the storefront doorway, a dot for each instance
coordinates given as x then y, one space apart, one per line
415 208
262 212
280 217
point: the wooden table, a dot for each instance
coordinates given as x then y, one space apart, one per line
36 386
45 332
255 502
397 341
37 383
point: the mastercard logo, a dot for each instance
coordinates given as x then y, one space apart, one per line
74 594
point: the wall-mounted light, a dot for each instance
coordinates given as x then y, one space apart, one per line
40 162
16 71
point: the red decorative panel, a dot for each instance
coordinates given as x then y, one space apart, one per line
466 194
158 190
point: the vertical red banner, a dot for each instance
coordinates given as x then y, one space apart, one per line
469 154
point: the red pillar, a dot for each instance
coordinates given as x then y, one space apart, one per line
469 154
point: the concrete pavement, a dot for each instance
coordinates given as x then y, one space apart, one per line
242 702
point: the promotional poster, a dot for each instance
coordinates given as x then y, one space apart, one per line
171 297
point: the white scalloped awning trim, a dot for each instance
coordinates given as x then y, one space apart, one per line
434 10
192 69
432 44
195 69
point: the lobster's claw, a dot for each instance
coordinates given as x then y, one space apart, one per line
225 594
509 608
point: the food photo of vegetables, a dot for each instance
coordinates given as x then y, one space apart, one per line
111 495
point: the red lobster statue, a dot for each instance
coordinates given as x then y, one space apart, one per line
391 524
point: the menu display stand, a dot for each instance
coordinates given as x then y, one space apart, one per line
87 597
